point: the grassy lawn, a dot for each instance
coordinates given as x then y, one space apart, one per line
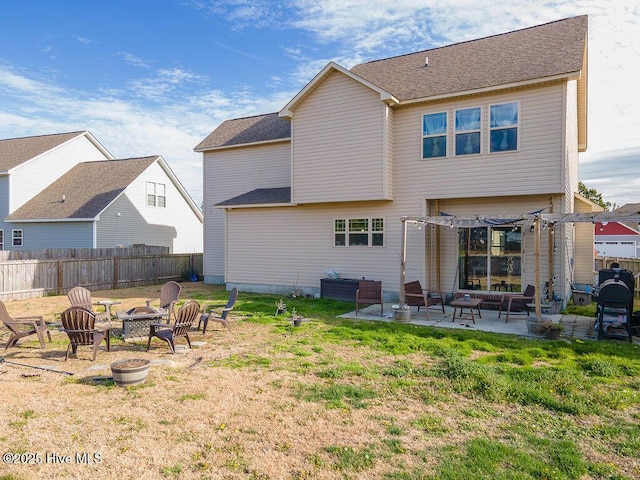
350 399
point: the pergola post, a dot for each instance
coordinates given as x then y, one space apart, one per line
536 257
403 260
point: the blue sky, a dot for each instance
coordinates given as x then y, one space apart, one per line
156 76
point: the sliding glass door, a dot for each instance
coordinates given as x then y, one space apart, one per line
490 258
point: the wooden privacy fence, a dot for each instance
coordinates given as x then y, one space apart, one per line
21 279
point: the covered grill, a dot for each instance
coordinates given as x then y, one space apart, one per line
615 303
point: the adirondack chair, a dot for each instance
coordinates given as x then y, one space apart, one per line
21 327
212 316
79 325
169 294
185 316
81 297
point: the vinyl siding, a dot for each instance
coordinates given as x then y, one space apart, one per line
571 142
338 147
174 226
296 247
584 247
4 198
300 245
535 168
37 236
231 172
33 176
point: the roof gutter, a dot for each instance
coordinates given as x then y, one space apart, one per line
226 147
49 220
256 205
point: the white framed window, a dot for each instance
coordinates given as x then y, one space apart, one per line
490 258
358 232
467 126
434 135
503 127
1 239
17 237
156 194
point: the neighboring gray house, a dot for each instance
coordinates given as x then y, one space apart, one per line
485 127
54 198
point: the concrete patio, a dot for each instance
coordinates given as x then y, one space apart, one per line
575 326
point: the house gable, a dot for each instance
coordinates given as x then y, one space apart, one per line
339 148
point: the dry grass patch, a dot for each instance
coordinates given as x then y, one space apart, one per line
265 401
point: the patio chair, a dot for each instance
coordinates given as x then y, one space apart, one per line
369 292
222 318
185 316
79 325
169 294
81 297
517 303
21 327
416 296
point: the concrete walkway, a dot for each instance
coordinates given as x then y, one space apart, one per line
575 326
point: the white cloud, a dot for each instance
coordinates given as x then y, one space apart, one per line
164 82
134 60
170 110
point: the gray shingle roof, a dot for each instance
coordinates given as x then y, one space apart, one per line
628 208
15 151
260 128
260 196
541 52
88 188
544 51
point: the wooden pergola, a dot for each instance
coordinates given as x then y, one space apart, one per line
537 219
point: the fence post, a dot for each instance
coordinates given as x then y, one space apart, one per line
60 278
116 271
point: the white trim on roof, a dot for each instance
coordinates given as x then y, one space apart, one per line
52 220
255 205
287 112
226 147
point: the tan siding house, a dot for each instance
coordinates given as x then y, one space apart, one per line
338 149
487 128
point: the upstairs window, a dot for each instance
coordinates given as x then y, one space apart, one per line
156 194
354 232
468 131
503 127
17 238
1 239
434 135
